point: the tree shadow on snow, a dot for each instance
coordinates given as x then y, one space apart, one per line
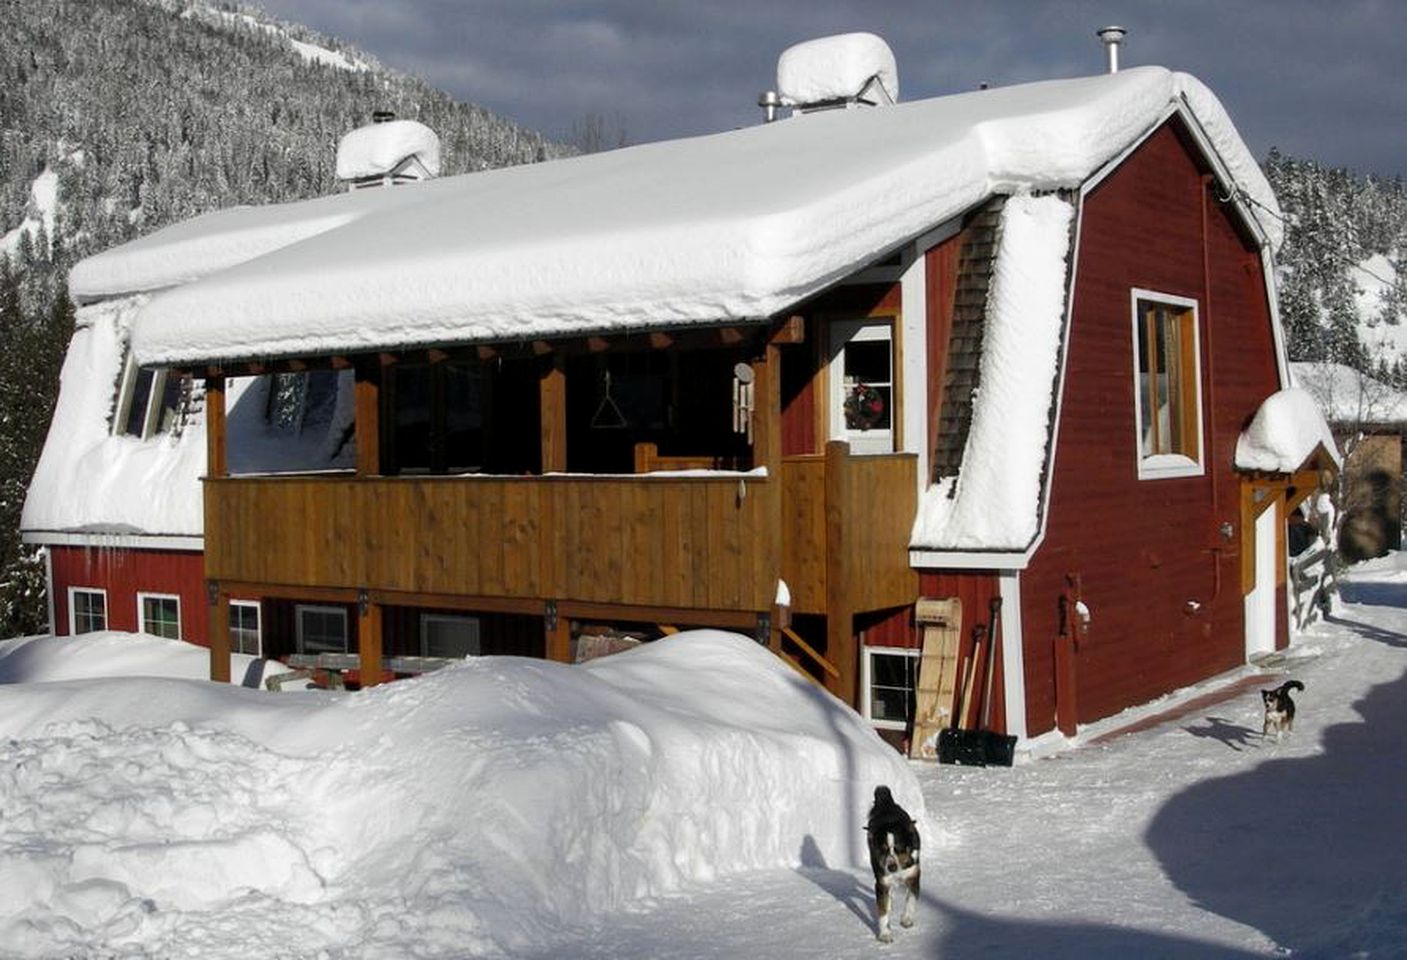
1302 848
1375 594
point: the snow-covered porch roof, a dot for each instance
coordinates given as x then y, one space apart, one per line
728 228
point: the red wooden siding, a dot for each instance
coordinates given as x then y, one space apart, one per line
1144 549
124 573
976 589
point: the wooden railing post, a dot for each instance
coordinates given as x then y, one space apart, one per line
368 640
767 452
552 390
368 416
216 462
840 606
219 632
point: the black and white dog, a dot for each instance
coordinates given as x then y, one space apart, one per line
1279 708
894 844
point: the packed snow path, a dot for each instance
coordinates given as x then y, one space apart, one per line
1196 839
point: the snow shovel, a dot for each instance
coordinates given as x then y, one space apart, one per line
981 747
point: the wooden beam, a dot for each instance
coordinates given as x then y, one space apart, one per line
340 363
216 462
790 331
451 601
660 341
552 392
219 635
436 356
730 335
388 359
369 642
559 635
297 366
840 608
541 347
597 344
368 417
743 620
485 352
283 591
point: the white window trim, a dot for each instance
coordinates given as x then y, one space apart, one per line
863 329
428 618
124 400
72 619
300 608
866 674
1168 465
143 596
258 623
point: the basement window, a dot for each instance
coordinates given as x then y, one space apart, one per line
244 627
448 636
889 676
161 614
1167 385
321 629
87 610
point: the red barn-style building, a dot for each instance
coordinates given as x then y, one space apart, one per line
1016 346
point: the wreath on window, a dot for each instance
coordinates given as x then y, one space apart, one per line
864 408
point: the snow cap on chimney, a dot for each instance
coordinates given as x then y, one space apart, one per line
388 151
839 71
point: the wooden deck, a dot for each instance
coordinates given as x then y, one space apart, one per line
675 542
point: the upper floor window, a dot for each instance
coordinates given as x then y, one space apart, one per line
1167 385
862 384
148 402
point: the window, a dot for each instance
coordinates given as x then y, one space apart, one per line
1168 385
446 636
321 629
87 610
862 385
148 402
244 628
161 614
890 676
436 417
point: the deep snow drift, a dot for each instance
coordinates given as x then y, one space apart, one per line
481 810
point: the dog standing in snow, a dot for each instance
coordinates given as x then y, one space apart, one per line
1279 708
894 847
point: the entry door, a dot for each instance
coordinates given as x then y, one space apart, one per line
1260 602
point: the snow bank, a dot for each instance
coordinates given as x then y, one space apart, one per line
993 503
378 148
1283 434
734 227
833 68
107 653
485 809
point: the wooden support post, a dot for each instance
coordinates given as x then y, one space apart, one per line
368 416
840 609
767 452
559 634
219 633
216 462
369 640
553 392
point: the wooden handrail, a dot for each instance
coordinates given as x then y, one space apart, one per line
810 651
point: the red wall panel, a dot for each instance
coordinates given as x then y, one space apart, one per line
1161 581
124 573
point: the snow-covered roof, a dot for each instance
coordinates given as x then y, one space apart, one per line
993 504
1348 396
379 148
728 228
1284 434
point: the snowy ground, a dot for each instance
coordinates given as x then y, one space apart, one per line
156 818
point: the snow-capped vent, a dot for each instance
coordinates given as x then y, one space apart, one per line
388 151
845 70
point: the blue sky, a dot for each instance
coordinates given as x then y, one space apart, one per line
1325 80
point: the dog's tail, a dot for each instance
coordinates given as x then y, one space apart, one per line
1289 685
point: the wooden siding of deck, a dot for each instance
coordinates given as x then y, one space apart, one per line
695 543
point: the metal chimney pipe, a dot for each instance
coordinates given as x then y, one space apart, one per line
769 101
1111 37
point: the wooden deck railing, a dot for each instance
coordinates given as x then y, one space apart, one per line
649 541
